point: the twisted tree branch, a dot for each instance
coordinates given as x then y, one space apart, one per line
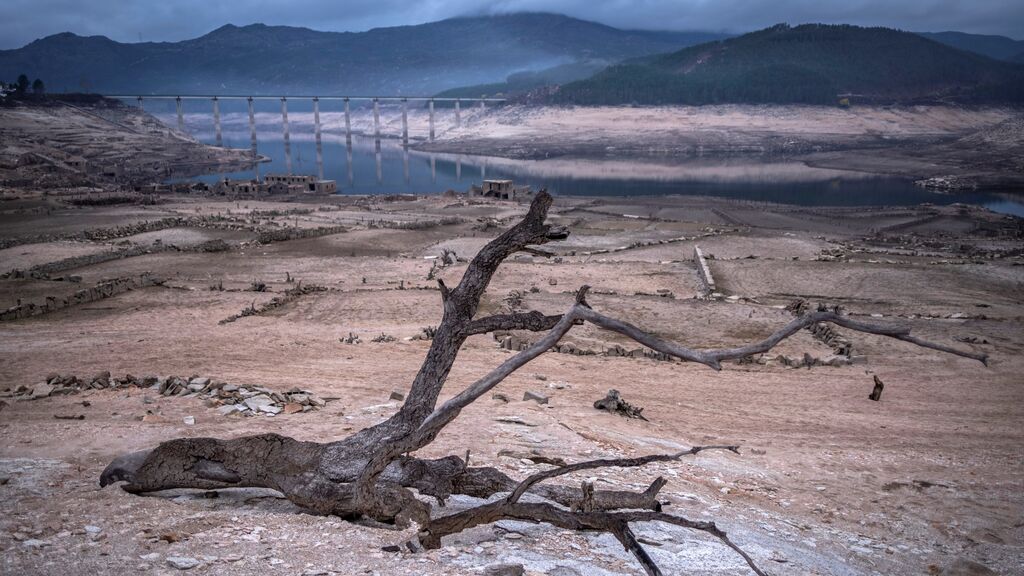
534 321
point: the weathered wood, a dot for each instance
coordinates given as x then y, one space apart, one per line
367 475
876 393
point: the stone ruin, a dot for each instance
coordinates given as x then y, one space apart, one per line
104 289
226 398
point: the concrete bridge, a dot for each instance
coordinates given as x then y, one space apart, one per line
216 99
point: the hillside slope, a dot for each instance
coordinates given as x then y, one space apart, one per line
260 59
810 64
995 47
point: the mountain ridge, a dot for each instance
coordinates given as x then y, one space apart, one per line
806 64
261 59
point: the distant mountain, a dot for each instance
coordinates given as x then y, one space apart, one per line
814 64
522 82
995 47
271 60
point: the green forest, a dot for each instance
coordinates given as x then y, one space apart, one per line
809 64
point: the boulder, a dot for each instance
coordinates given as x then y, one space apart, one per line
504 570
536 397
256 403
182 563
41 390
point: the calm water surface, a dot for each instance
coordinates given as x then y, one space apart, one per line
366 167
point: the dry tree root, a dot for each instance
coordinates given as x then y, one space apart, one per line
369 476
585 515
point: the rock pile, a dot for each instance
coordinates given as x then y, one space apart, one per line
227 398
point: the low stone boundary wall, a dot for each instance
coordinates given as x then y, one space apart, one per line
286 234
100 291
704 272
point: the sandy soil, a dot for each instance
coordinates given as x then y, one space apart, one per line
828 482
61 145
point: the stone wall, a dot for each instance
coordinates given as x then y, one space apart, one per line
704 272
285 234
103 290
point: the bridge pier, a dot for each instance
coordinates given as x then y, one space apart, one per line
405 162
458 114
348 160
181 117
482 105
139 98
376 120
216 120
348 131
319 145
287 137
252 127
405 123
458 168
433 169
377 157
431 119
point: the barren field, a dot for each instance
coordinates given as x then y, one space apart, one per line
827 482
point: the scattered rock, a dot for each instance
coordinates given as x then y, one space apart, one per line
396 395
536 397
292 408
227 398
41 391
500 397
182 563
34 543
514 420
965 567
504 570
189 420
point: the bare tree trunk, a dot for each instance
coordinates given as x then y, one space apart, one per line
369 474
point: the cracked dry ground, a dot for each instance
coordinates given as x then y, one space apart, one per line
828 482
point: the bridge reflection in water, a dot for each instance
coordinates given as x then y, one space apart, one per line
395 121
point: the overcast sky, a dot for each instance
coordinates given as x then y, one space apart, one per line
22 21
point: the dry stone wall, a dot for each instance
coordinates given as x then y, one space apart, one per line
100 291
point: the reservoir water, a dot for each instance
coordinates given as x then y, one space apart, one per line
385 166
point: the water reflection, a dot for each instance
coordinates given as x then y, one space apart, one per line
366 165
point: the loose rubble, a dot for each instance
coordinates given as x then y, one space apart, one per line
227 398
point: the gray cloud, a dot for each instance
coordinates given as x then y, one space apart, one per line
22 21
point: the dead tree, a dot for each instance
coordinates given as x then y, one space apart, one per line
368 475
